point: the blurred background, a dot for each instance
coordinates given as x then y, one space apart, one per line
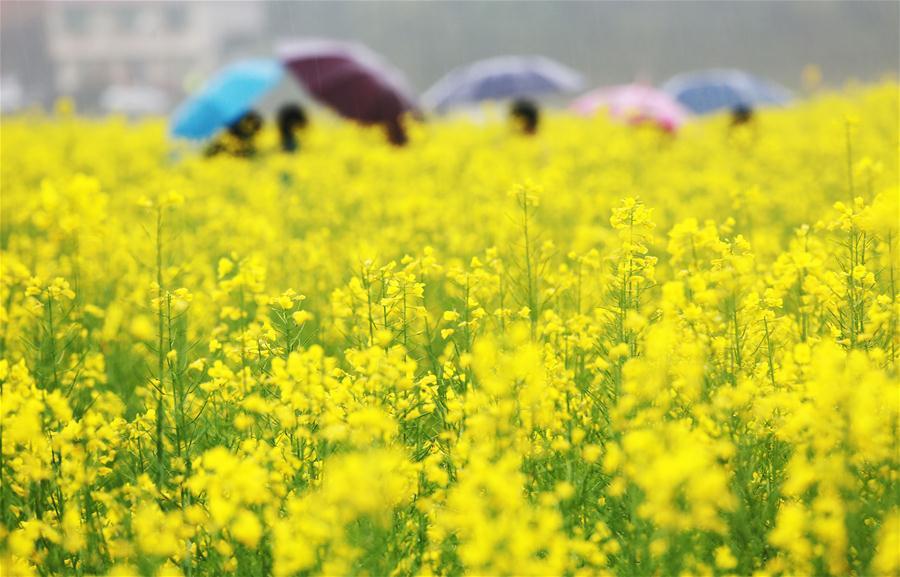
142 57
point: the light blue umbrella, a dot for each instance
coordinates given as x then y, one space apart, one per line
501 78
709 91
226 97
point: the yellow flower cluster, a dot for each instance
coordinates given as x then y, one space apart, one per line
598 351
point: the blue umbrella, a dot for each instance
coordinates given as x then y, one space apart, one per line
713 90
225 98
501 78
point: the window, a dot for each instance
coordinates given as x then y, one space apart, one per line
75 20
176 17
126 19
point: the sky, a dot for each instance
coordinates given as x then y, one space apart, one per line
608 41
619 41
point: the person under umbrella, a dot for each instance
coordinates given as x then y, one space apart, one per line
291 119
396 131
223 108
353 81
240 138
741 115
525 116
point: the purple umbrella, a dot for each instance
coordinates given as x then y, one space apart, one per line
350 79
501 78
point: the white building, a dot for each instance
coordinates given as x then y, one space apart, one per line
168 46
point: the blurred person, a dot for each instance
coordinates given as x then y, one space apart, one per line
741 115
396 132
240 138
291 120
525 116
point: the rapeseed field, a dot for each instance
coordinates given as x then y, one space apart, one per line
598 351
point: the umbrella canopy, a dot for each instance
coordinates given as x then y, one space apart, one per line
709 91
635 104
501 78
349 78
225 98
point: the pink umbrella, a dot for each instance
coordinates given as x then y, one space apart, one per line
635 104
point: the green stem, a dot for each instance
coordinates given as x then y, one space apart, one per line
161 355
